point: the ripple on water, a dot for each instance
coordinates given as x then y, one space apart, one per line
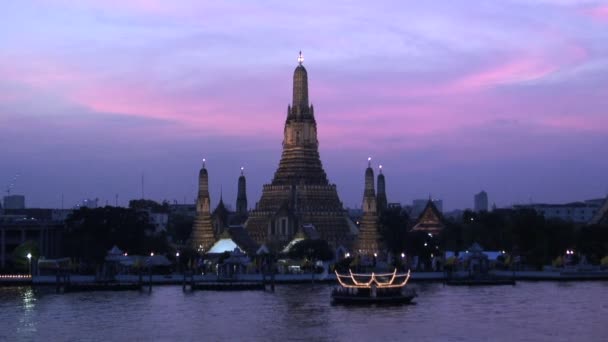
529 311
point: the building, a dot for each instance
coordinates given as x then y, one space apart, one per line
577 212
183 209
418 206
430 220
381 200
368 240
481 201
203 236
300 192
241 196
90 203
17 229
601 216
14 202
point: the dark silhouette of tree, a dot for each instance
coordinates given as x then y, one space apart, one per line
90 233
317 249
393 230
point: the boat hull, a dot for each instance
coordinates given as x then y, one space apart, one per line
360 300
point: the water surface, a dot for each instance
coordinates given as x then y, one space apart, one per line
529 311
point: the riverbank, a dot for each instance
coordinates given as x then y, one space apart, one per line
178 279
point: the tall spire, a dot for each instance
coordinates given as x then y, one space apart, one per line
369 195
381 196
241 197
368 239
300 162
300 88
202 237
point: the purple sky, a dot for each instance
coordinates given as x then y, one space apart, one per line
452 97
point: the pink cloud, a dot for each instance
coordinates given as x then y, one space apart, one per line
514 71
599 13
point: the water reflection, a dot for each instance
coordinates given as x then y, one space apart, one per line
529 311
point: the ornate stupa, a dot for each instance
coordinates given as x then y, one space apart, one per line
368 241
241 197
202 237
381 200
300 193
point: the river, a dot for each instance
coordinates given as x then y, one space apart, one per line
529 311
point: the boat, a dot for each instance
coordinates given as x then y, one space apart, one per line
372 288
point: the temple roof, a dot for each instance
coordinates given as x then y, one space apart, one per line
430 220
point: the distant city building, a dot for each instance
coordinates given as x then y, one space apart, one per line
159 221
577 212
394 205
183 209
455 214
418 205
481 201
17 229
14 202
601 217
88 203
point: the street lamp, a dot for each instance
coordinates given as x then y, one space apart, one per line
29 264
151 253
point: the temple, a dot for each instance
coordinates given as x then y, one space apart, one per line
430 220
299 193
202 237
381 200
241 197
368 241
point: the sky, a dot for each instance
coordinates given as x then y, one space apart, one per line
452 98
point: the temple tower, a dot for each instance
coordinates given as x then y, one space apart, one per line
299 193
241 197
381 200
202 237
368 239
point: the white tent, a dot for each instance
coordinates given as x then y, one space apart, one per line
223 245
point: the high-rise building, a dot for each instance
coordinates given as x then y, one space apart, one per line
299 193
368 240
481 201
14 202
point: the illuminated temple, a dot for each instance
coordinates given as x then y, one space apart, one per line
368 241
300 193
202 237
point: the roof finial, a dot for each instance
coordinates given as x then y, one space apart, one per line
369 161
380 167
242 169
300 58
204 162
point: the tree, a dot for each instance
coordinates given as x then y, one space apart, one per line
393 229
19 255
316 249
90 233
180 227
144 204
